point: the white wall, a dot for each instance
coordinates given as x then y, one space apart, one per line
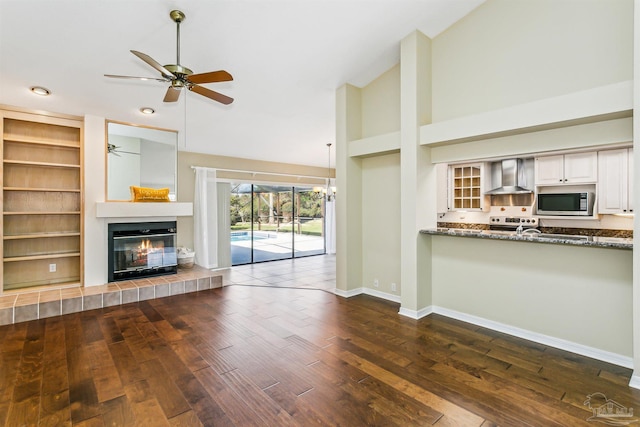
381 104
95 229
579 294
509 52
381 214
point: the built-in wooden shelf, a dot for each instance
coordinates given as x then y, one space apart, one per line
38 141
38 257
50 190
42 200
44 213
40 236
41 164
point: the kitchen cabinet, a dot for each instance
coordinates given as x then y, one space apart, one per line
575 168
615 184
466 187
42 195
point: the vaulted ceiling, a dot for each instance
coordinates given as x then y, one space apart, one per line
287 58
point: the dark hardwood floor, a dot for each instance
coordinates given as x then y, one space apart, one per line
253 355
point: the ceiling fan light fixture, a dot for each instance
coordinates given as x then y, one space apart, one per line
39 90
147 110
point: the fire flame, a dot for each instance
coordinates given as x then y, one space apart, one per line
147 245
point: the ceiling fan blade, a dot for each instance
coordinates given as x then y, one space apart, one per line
224 99
114 76
155 64
210 77
172 94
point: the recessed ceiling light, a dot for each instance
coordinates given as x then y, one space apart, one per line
39 90
147 110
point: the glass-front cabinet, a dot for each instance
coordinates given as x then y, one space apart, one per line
466 187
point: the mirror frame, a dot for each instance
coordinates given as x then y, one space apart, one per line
142 127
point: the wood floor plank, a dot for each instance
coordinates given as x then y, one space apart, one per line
266 409
110 330
118 412
232 404
248 355
23 412
454 411
167 393
54 402
206 409
125 363
145 407
25 401
187 419
83 398
303 411
104 372
509 402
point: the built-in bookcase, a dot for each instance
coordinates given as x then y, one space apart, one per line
42 199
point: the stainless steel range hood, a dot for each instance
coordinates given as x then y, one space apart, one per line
510 176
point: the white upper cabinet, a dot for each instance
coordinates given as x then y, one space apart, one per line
576 168
615 186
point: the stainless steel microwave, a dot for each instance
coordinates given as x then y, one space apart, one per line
565 204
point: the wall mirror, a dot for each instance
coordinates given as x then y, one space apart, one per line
140 156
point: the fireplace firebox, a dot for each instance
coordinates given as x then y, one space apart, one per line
141 249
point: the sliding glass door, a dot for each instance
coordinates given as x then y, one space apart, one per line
309 235
275 222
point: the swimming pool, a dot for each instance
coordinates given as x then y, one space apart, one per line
241 236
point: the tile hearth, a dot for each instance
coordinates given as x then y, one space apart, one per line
26 305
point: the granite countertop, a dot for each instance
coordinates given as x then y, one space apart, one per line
558 239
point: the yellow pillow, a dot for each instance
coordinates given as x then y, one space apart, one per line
144 194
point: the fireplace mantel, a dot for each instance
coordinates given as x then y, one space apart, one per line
146 209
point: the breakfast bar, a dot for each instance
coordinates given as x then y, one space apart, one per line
548 238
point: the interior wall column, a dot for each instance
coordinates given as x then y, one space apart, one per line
349 192
95 177
417 176
635 378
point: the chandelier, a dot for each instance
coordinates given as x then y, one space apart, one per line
329 190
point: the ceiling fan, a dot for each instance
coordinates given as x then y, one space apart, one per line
115 150
182 77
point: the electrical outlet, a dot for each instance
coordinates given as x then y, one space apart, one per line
375 283
52 268
394 287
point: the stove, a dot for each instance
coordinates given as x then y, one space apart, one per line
511 222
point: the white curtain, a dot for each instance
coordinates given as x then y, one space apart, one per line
205 218
330 226
224 225
212 220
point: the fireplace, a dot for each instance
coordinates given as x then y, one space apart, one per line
141 249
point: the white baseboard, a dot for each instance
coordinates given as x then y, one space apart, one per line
367 291
416 314
383 295
594 353
347 294
635 380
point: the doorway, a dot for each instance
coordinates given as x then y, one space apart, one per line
270 222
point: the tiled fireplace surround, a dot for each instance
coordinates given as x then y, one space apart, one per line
24 306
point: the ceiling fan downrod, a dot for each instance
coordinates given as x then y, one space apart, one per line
177 17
